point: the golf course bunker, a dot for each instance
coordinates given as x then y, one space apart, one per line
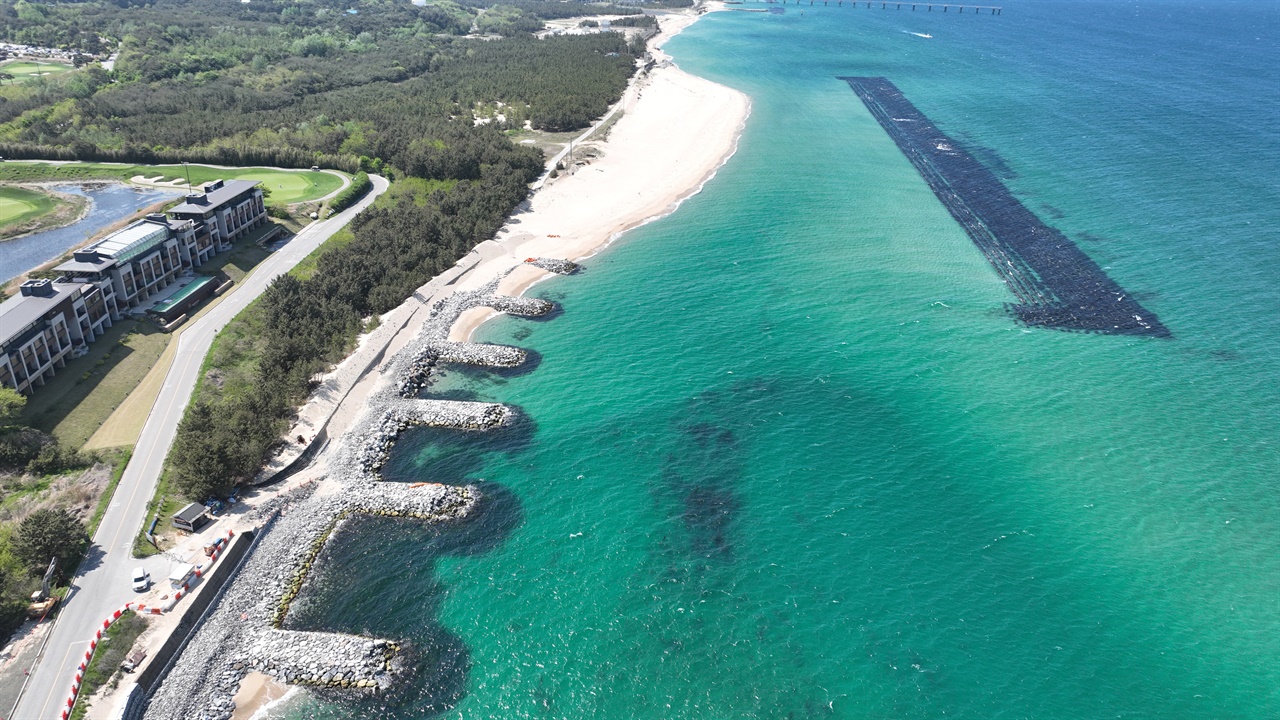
1056 284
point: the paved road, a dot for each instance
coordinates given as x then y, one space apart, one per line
102 584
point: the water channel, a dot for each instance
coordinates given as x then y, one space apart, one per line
110 203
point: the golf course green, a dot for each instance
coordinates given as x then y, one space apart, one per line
27 69
283 187
19 205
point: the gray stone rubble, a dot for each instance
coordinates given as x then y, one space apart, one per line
324 659
556 265
245 631
404 414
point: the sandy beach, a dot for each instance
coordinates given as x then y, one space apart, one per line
664 139
257 693
673 133
676 130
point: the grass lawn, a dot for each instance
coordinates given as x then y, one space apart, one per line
242 259
548 142
124 425
19 204
284 186
83 395
27 69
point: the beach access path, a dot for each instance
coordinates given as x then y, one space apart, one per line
101 584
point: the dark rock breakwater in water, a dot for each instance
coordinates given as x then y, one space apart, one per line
1057 285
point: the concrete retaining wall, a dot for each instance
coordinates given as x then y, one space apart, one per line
154 671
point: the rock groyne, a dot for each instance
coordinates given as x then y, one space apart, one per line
325 659
556 265
400 415
246 632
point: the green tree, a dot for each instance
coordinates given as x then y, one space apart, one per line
203 458
11 403
47 534
13 600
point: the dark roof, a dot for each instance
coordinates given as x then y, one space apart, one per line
190 513
210 201
19 311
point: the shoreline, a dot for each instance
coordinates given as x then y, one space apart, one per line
632 183
83 204
657 154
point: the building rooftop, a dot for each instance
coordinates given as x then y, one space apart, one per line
215 195
130 241
189 513
20 311
86 265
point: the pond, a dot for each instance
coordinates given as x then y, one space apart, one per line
110 203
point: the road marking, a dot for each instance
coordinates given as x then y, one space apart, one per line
153 445
65 655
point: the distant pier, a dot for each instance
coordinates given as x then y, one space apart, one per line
1057 285
913 6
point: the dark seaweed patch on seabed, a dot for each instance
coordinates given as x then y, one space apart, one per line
1057 285
699 477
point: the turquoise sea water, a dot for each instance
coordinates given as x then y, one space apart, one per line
786 455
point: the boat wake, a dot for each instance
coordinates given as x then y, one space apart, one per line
923 35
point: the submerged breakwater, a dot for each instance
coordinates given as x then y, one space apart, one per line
1057 285
785 454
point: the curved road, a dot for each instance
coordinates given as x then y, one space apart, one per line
101 584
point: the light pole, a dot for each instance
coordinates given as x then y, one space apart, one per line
187 171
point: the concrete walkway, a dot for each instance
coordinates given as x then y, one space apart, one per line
312 424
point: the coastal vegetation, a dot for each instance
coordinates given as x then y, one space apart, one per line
41 482
387 88
24 448
295 85
46 534
359 186
264 360
104 666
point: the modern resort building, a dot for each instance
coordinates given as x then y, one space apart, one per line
51 319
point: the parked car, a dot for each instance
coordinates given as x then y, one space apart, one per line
141 580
